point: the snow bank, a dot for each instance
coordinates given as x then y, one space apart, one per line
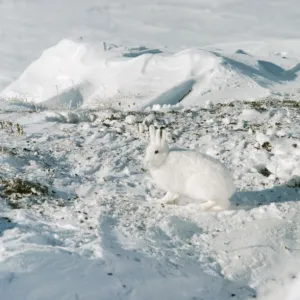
72 74
171 24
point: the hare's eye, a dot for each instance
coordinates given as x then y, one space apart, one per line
156 151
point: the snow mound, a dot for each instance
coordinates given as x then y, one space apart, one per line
72 74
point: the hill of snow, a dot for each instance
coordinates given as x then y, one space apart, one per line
28 27
73 74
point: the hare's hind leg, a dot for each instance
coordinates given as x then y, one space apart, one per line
168 198
204 206
210 206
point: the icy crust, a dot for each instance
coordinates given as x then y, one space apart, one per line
99 220
75 74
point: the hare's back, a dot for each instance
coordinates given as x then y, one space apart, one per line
195 162
203 176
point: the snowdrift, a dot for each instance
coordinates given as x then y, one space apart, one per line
72 74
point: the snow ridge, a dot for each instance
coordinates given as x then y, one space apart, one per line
74 74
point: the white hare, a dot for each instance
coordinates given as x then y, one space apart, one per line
188 174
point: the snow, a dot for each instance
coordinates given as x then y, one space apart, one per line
99 233
80 84
74 74
171 24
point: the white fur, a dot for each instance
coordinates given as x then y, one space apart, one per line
188 174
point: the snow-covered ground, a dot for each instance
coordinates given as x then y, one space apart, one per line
81 81
90 230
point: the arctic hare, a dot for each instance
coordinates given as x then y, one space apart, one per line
188 174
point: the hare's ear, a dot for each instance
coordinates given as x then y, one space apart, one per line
152 133
158 135
164 136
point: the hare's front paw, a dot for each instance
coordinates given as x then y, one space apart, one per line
168 198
